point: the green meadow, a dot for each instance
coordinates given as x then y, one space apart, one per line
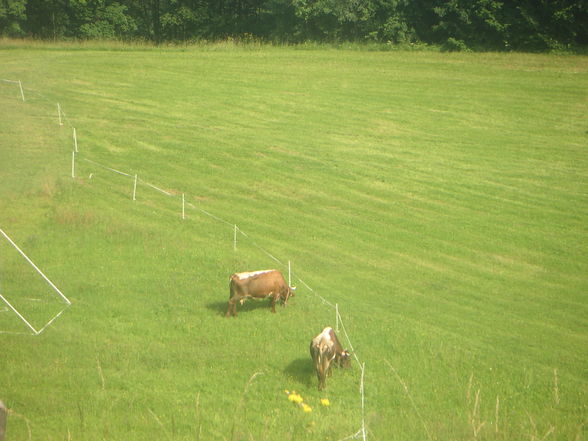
439 199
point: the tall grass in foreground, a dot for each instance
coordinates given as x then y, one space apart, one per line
439 199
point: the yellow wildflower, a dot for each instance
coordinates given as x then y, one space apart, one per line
325 402
306 408
295 398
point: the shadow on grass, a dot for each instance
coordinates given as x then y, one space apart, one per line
301 370
251 305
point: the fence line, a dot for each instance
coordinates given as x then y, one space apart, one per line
155 188
49 282
55 288
362 431
19 85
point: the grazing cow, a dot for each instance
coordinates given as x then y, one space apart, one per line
258 285
325 351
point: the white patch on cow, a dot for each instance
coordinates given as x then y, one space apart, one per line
326 334
323 340
247 275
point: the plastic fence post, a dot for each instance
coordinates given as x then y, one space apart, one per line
59 114
363 403
235 239
135 189
21 91
75 140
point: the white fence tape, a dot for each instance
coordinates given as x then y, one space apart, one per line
55 288
107 168
51 284
19 85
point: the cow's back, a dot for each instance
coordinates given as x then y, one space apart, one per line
270 281
259 284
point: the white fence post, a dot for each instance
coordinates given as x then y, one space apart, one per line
75 140
135 189
21 91
235 238
183 206
364 434
59 114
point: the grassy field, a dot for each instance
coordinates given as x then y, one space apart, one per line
440 199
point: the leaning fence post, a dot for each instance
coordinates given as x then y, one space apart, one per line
21 91
135 189
3 413
75 140
362 389
235 238
73 164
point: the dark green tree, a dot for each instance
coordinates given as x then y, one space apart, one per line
454 24
469 23
547 24
12 17
335 20
99 19
391 22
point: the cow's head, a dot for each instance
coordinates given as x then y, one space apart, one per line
345 359
289 293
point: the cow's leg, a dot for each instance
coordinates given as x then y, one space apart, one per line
326 365
274 299
321 378
232 308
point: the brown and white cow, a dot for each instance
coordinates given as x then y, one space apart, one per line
258 285
325 351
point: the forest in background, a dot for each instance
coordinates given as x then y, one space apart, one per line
523 25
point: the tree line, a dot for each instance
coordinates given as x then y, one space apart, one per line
529 25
